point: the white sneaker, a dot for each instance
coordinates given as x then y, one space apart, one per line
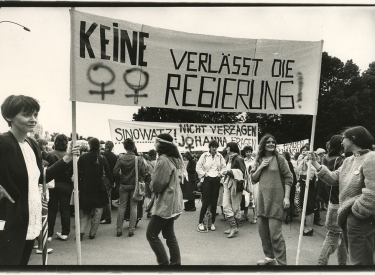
201 228
49 239
212 228
49 250
62 237
267 261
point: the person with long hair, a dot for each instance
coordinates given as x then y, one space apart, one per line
42 143
291 211
275 179
210 166
234 173
168 204
21 171
125 171
356 181
92 198
59 197
112 194
334 239
190 185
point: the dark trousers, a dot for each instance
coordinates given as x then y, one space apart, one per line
107 210
166 226
359 239
27 252
59 198
210 194
189 205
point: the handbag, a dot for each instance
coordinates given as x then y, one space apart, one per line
138 190
331 218
104 181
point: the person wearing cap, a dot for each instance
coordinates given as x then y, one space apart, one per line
165 184
210 166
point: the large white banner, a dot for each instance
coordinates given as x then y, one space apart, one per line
123 63
193 136
291 147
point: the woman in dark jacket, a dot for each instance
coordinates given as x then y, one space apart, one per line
190 185
21 171
291 210
234 173
59 197
92 198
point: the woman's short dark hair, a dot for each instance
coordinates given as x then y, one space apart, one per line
61 142
109 145
188 155
152 154
246 149
94 144
15 104
213 143
168 149
286 156
360 136
306 146
233 146
335 147
129 144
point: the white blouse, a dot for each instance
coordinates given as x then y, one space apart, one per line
35 200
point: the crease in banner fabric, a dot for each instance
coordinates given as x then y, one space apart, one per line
124 63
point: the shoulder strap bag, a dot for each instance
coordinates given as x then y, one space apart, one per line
105 182
139 191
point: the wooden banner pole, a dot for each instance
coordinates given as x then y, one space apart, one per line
74 141
308 176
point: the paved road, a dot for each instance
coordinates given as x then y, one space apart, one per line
211 248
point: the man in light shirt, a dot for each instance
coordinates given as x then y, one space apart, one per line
210 166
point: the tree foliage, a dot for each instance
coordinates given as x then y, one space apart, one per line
346 98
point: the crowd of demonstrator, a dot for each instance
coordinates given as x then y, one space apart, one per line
156 183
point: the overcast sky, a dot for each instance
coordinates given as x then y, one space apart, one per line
37 63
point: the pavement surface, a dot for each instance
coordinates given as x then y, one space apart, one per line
207 249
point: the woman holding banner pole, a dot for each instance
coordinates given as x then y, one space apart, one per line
21 171
356 180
